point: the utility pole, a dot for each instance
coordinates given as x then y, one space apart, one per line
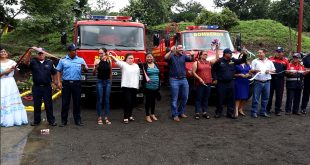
300 19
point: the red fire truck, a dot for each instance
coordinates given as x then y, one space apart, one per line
192 38
115 33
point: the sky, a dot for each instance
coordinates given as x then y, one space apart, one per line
119 4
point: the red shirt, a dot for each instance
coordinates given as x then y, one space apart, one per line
204 71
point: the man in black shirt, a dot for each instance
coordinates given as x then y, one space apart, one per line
43 71
306 91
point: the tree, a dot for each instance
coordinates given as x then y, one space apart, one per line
149 11
187 12
103 7
226 19
246 9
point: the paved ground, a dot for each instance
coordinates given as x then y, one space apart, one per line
277 140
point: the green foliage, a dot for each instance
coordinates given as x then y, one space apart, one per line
246 9
149 11
103 7
181 26
269 33
226 19
187 12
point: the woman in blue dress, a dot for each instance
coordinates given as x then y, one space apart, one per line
242 87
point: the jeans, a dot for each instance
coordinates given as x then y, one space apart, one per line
260 90
103 96
178 87
202 97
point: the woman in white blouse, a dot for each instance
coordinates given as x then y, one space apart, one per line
129 83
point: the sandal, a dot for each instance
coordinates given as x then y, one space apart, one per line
197 116
126 121
107 121
99 121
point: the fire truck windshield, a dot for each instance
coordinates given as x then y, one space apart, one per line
111 37
202 40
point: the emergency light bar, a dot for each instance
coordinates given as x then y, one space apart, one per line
105 17
202 27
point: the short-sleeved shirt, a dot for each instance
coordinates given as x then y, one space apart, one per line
177 65
42 71
263 65
71 68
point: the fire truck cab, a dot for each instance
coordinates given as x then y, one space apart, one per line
118 34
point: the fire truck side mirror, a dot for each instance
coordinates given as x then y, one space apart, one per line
156 39
238 42
63 39
167 41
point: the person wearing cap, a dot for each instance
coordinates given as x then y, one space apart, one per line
294 84
71 67
262 67
43 74
178 82
277 81
306 90
223 73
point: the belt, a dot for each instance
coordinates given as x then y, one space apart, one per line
71 81
292 79
42 85
261 81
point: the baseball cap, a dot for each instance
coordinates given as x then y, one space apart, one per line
227 51
71 47
279 49
40 50
297 55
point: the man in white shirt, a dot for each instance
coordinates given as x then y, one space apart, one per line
263 67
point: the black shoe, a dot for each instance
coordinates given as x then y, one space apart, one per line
278 114
197 117
63 124
303 112
79 123
35 123
296 113
206 116
53 124
217 116
265 115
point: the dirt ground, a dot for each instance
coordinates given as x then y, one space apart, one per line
276 140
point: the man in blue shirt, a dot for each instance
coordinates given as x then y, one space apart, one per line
42 71
71 67
178 82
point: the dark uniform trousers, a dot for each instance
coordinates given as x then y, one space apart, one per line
45 92
225 89
71 88
305 94
276 86
293 93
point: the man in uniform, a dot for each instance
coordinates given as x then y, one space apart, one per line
223 72
306 92
71 67
43 72
178 82
261 89
277 81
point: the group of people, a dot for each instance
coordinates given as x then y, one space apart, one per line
231 77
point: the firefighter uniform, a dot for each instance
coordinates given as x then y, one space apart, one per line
277 82
306 91
223 71
294 85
